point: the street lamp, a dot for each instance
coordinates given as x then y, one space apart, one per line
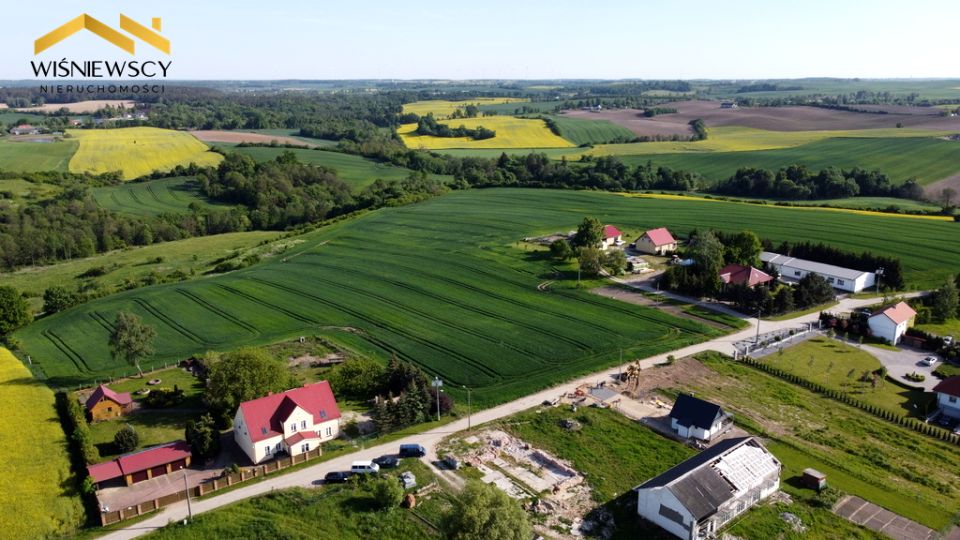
186 487
438 384
469 408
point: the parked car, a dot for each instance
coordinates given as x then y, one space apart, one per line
387 462
929 361
412 450
337 477
408 480
364 467
451 462
948 341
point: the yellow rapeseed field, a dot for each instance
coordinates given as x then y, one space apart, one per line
442 108
744 139
511 133
35 466
137 151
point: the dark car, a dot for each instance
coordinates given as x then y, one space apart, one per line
412 450
387 462
337 477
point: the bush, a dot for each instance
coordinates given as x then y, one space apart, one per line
162 398
387 492
126 439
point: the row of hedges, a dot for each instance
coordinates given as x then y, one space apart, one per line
80 446
899 419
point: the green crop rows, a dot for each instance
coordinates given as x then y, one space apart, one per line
168 195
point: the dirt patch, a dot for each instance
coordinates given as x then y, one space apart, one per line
933 190
640 299
215 136
309 360
794 118
81 106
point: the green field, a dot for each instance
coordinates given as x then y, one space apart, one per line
870 203
580 131
34 156
38 498
293 133
8 117
512 108
153 197
440 283
23 191
903 471
356 171
926 159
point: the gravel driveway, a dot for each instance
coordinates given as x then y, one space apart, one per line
903 361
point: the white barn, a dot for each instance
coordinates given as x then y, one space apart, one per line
291 422
792 269
891 323
948 396
698 497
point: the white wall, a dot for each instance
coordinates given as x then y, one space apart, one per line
949 408
865 280
648 506
883 327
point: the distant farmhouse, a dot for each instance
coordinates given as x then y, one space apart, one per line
891 323
792 269
611 237
656 242
694 418
25 129
948 396
104 404
697 497
737 274
728 105
292 422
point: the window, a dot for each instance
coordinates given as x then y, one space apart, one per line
293 426
671 514
329 432
829 280
303 424
952 399
266 449
796 272
109 409
305 447
839 282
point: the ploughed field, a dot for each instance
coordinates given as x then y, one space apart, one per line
445 284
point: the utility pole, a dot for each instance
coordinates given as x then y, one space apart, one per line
879 275
759 311
187 488
438 384
469 407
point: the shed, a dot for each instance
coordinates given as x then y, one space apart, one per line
814 479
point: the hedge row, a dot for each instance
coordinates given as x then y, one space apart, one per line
81 448
884 414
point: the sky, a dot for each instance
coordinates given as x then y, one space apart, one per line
516 39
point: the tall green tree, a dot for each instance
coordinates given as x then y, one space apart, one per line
590 260
944 303
57 299
14 311
131 339
484 512
744 248
589 233
386 490
243 375
203 437
615 262
560 250
126 439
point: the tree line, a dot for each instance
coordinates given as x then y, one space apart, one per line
428 125
797 182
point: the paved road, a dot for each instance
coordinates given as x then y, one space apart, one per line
307 476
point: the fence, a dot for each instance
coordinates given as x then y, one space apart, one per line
883 414
208 487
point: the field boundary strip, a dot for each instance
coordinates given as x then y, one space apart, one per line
784 207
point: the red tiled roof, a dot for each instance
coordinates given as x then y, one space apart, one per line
101 472
950 386
301 436
660 237
265 416
25 126
153 457
609 231
739 274
898 313
102 392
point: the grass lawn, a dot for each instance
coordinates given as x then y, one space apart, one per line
153 426
903 471
18 191
764 521
839 366
716 316
948 328
192 387
38 499
794 314
336 511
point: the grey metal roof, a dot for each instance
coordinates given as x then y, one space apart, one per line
810 266
694 463
702 492
693 411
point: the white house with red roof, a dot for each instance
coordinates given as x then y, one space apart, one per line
948 396
292 422
656 242
611 237
738 274
892 322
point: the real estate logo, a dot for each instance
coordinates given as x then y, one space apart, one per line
107 69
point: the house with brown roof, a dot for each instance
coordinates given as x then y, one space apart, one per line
891 323
292 422
611 237
25 129
948 396
104 404
656 242
737 274
143 464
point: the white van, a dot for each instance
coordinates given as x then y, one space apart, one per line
364 467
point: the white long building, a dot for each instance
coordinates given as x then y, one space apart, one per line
698 497
792 269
